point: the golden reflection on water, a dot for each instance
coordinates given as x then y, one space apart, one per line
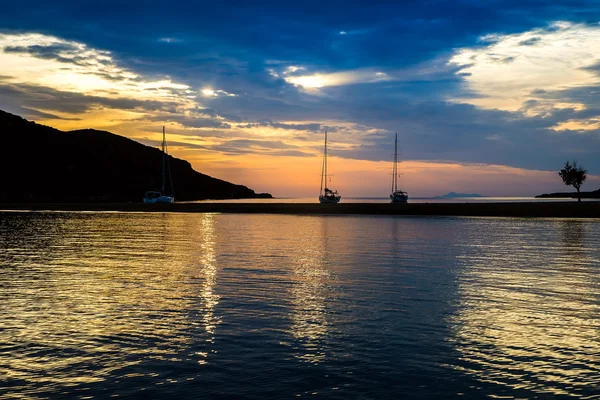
527 316
208 264
132 300
310 291
100 293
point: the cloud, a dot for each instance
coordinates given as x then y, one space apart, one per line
508 70
45 98
29 113
193 121
313 127
62 52
44 73
530 41
262 147
170 40
215 93
319 80
364 115
69 66
525 98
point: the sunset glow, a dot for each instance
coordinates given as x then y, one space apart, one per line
501 110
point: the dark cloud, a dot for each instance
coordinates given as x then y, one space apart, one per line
33 114
192 122
45 98
588 95
500 59
241 146
300 127
200 122
595 68
212 113
268 144
264 147
45 52
530 42
62 52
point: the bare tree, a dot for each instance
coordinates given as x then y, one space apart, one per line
573 175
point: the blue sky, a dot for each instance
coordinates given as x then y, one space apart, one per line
503 91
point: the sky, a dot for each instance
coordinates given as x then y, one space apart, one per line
488 97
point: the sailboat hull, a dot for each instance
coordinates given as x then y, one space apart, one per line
329 199
399 198
161 199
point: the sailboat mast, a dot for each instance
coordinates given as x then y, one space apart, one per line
324 166
164 159
326 159
395 168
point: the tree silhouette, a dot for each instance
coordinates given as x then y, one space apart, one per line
573 175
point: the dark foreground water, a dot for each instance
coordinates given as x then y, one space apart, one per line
94 305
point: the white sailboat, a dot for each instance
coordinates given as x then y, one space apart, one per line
161 197
327 195
397 196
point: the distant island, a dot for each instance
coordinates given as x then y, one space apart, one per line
570 195
43 164
453 195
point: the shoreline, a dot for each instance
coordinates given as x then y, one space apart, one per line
588 209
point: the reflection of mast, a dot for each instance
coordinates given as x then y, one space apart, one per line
572 235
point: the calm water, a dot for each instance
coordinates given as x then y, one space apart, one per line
147 305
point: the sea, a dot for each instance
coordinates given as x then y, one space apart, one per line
98 305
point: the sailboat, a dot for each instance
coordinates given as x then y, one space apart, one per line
161 197
397 196
327 195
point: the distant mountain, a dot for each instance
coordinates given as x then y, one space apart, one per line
453 195
584 195
43 164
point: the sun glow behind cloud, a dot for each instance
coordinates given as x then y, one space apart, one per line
71 66
319 80
215 93
109 95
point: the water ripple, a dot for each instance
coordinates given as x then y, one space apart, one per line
262 306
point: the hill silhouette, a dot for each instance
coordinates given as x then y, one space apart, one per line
595 194
43 164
